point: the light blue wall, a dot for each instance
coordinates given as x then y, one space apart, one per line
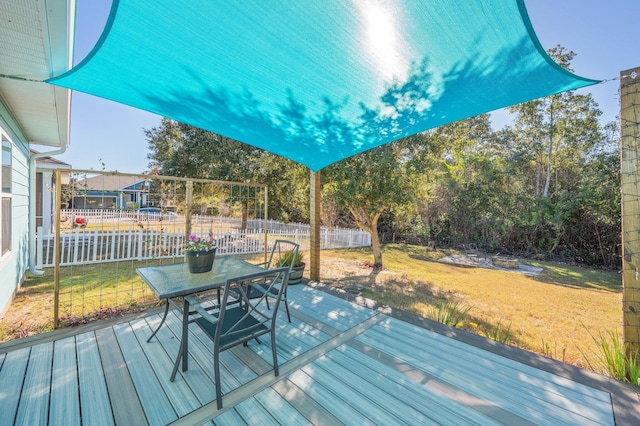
13 265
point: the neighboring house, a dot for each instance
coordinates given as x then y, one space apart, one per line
45 190
110 192
36 43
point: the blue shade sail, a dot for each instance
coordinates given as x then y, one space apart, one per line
319 81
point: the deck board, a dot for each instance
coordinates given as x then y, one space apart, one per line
94 397
337 406
253 413
199 382
280 409
335 312
33 408
154 401
371 408
180 395
65 397
126 407
11 380
376 402
230 418
314 412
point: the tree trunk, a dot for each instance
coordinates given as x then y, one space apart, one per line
243 225
370 224
547 181
376 248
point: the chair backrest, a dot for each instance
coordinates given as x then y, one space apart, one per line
251 317
281 250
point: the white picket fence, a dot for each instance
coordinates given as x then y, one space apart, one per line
84 246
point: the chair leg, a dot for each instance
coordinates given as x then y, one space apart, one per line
276 371
216 372
286 306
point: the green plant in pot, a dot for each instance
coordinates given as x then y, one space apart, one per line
200 253
292 258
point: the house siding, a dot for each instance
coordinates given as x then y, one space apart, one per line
13 265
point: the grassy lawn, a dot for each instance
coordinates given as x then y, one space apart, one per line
551 314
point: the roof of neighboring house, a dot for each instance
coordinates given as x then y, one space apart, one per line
49 162
109 182
37 43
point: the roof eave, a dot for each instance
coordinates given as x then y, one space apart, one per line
59 41
40 113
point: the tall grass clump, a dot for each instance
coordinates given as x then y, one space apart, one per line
448 312
614 357
500 334
552 352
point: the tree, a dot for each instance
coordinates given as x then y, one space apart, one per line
378 180
553 134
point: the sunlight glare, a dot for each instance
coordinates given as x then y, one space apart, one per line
383 40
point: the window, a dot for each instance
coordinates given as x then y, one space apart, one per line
5 202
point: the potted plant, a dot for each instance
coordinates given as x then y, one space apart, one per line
296 259
200 253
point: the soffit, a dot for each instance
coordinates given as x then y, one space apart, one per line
36 44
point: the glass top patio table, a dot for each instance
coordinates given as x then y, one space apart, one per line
175 280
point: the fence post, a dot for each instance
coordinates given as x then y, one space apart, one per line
140 242
95 244
113 243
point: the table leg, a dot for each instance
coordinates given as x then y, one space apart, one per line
185 334
176 364
164 317
183 352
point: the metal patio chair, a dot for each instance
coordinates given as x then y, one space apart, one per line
238 323
282 254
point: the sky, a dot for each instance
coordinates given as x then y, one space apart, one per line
109 136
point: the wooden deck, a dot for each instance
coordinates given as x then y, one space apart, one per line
341 363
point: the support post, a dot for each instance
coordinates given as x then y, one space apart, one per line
56 250
187 210
266 222
630 187
314 212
